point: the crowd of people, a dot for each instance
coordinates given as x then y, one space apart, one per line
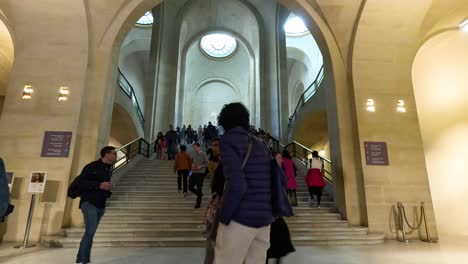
166 145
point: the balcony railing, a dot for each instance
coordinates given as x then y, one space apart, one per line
308 93
127 88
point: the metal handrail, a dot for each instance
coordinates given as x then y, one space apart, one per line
307 94
127 88
293 150
127 152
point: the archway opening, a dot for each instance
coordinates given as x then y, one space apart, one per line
440 86
7 55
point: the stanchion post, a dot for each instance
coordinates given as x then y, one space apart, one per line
28 225
402 222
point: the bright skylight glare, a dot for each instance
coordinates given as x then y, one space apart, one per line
295 26
146 19
218 45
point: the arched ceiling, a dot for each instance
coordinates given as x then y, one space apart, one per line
295 54
6 57
122 126
313 130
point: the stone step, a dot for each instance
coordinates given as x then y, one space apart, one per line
196 232
168 216
146 210
156 200
182 223
200 241
179 204
150 195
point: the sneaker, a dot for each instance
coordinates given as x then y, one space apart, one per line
185 194
197 206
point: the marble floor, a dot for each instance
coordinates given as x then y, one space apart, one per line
446 251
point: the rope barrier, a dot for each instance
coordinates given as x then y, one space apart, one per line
402 219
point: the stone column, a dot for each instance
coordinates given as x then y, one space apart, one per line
150 91
166 65
271 67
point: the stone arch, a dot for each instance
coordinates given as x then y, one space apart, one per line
220 80
103 73
440 82
7 55
209 97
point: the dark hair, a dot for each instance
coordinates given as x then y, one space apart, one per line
234 115
196 144
183 148
315 154
106 150
274 153
286 154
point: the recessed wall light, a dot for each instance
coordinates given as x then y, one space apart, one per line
370 105
401 108
27 92
464 25
63 94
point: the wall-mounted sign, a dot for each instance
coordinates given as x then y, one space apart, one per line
376 153
9 177
37 182
56 144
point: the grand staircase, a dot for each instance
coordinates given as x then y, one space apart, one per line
146 210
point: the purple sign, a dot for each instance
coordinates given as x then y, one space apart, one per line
376 153
56 144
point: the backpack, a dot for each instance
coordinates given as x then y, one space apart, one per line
74 190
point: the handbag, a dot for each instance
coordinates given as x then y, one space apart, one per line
214 203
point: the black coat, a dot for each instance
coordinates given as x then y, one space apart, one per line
91 178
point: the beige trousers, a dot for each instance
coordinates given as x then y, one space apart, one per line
238 244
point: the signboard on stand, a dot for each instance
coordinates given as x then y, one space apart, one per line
376 153
56 144
37 182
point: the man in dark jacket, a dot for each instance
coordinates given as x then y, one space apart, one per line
95 185
172 139
246 214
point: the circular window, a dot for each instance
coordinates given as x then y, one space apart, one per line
218 45
295 26
146 19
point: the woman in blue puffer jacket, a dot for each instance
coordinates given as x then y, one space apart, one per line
246 213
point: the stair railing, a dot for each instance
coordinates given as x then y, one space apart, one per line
304 154
127 88
306 95
127 152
